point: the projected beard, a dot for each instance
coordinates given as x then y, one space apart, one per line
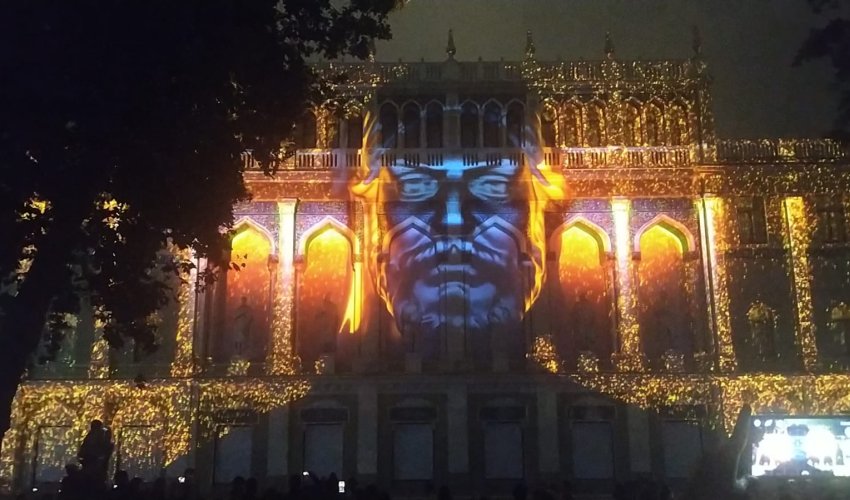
455 254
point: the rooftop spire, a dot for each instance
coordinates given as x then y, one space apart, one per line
609 45
529 45
450 46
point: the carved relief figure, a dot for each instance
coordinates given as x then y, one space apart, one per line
762 321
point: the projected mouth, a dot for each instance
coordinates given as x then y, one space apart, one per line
461 274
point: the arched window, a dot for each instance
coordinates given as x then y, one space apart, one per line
632 127
323 294
679 129
331 129
355 131
570 126
307 131
653 129
492 125
595 133
514 124
389 126
469 125
585 322
661 292
434 125
248 305
548 118
412 125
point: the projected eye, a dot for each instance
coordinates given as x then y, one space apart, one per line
490 187
416 187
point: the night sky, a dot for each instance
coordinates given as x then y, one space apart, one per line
748 44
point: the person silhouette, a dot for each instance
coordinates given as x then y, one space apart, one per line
95 451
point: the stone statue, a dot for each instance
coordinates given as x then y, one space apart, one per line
242 322
95 451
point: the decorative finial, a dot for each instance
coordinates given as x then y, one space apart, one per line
609 45
529 45
696 42
450 46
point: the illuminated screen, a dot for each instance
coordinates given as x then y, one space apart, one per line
794 446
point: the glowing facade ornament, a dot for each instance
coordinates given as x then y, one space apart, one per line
628 327
798 237
281 359
714 227
183 364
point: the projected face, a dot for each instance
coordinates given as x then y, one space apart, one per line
456 253
457 247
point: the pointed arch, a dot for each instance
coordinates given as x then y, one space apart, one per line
469 123
570 124
678 123
492 124
514 123
307 129
388 119
434 124
653 119
548 123
595 123
411 124
327 222
329 289
633 126
583 297
588 226
676 228
245 223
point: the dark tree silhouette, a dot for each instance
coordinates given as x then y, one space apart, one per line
121 129
832 42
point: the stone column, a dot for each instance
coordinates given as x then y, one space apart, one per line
367 432
547 433
713 226
281 359
637 425
796 229
629 356
277 460
458 428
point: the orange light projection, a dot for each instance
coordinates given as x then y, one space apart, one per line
583 288
248 294
323 294
661 292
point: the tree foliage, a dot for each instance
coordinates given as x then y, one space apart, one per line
121 129
832 42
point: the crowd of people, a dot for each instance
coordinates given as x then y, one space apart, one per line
76 486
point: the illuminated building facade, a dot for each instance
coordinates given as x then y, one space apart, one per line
475 273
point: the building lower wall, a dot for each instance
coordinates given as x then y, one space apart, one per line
477 433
